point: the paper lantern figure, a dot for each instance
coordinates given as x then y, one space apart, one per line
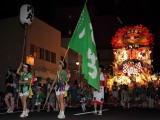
26 14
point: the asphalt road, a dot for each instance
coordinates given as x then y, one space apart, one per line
109 113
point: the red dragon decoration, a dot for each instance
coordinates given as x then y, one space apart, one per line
132 35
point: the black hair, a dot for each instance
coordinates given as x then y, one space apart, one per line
115 82
39 79
10 69
53 91
75 82
101 66
64 65
14 71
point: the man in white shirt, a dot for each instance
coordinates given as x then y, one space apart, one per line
98 96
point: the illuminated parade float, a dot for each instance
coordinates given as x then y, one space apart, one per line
132 56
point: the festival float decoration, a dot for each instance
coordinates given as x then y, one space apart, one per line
132 48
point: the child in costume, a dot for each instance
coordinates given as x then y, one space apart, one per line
51 101
83 94
39 98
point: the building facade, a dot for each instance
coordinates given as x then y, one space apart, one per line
43 45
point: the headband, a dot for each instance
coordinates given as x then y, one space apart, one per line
25 65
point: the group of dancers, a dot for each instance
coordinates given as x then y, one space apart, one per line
59 85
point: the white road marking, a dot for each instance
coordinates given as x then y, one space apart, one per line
88 112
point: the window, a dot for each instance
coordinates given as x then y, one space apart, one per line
62 58
31 49
35 52
38 52
53 57
42 53
47 55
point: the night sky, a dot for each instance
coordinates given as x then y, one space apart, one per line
103 15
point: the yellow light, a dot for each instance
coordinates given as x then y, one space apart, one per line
30 60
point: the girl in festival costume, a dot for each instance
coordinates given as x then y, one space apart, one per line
83 94
60 88
98 96
35 89
66 99
9 96
66 95
25 79
38 100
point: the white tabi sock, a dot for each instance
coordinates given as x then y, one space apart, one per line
62 112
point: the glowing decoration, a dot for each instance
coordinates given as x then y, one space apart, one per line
132 56
137 35
131 68
26 14
153 77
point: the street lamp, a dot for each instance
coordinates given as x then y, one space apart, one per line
79 70
77 63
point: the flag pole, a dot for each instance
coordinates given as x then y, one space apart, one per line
65 54
86 2
48 94
23 56
54 81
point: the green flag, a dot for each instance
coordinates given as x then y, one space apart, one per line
83 42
